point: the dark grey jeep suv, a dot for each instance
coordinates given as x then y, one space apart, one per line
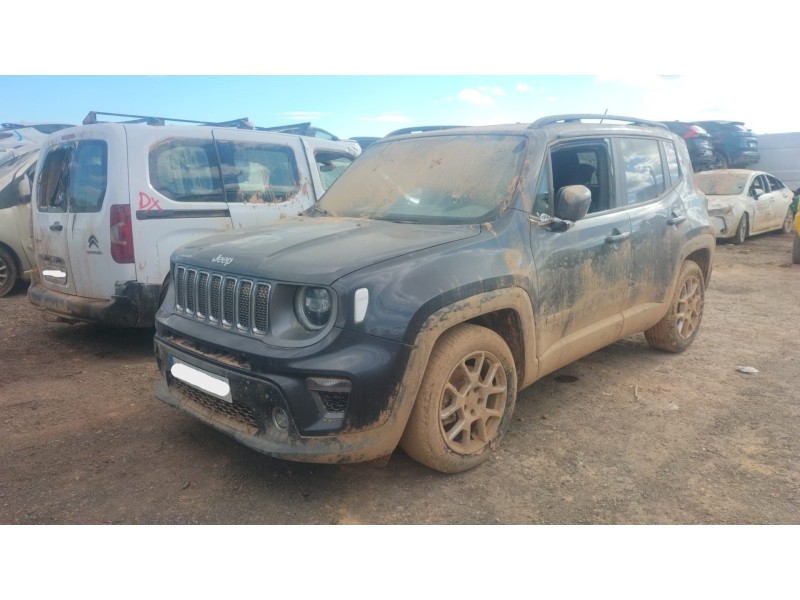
445 270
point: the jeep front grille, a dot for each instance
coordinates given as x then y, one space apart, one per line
222 300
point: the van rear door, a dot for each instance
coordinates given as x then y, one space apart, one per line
51 221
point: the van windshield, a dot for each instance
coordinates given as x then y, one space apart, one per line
433 179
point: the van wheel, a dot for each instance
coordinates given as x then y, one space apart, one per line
742 231
796 250
788 222
465 401
677 330
720 161
8 272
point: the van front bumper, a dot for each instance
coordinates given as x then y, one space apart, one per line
133 305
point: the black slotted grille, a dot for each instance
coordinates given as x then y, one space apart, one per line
223 300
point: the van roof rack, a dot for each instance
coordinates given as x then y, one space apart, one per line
552 120
91 119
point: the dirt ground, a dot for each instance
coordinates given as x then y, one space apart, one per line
624 436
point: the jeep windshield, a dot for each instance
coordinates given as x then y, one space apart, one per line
435 179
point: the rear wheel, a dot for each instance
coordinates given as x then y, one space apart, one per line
742 231
677 330
788 222
720 161
465 402
8 272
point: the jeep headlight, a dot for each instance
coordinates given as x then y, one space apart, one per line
313 307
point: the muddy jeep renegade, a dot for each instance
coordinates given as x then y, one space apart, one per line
444 271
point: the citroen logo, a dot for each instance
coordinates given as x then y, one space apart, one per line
93 242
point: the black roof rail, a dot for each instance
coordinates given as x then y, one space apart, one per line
405 130
551 120
91 119
300 128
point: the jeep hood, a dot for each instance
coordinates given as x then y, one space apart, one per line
315 250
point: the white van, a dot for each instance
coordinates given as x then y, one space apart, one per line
112 201
16 244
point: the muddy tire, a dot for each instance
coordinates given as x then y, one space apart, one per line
788 222
742 231
677 330
8 272
720 161
465 401
796 250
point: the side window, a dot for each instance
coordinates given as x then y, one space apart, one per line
759 186
673 166
258 173
88 174
588 164
774 183
330 165
644 176
186 170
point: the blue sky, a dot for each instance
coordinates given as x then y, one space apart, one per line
351 105
365 68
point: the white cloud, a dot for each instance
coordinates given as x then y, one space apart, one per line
475 97
524 87
494 91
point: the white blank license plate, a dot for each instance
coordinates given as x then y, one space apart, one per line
212 384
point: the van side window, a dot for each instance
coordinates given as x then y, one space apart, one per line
186 170
644 175
87 181
258 173
330 165
672 163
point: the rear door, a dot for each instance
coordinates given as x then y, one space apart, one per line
51 218
650 180
763 203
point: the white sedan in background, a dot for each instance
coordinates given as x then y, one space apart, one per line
742 202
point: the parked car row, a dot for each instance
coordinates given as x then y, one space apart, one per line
402 298
717 144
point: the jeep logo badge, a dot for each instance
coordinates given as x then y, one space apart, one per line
222 260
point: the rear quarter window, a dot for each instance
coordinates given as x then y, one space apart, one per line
186 171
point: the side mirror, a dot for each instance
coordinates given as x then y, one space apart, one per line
757 193
572 202
24 190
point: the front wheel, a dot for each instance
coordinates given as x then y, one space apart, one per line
8 272
742 231
465 401
677 330
796 250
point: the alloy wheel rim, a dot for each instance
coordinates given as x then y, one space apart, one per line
690 308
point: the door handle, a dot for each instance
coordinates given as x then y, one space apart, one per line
676 220
56 226
620 237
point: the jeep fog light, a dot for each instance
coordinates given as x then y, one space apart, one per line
333 394
360 304
280 418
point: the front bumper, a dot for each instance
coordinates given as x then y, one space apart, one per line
271 406
132 305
